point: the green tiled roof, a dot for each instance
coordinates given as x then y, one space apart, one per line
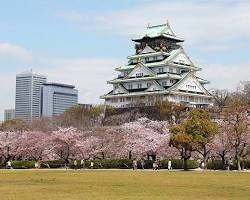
158 30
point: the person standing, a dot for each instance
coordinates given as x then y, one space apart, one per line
92 164
154 165
169 164
8 165
142 163
82 163
134 164
75 164
230 164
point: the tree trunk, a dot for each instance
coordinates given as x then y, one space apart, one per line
103 155
238 163
223 161
129 155
185 164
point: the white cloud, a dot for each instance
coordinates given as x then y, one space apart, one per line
226 76
211 25
8 50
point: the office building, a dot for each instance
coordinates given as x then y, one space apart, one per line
28 92
56 98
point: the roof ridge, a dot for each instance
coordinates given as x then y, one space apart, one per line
158 25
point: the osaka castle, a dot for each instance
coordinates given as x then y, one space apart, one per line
159 70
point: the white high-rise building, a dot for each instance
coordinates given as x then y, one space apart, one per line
159 70
56 98
28 92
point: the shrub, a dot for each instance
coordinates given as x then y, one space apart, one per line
178 164
53 164
105 164
217 164
23 164
245 164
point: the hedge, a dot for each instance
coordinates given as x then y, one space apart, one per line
217 164
123 164
104 164
178 164
23 164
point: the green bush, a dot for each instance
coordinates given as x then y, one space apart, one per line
105 164
23 164
178 164
245 164
53 164
217 164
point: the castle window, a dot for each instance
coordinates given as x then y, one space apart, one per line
148 85
130 86
139 85
126 73
122 100
160 70
139 74
164 83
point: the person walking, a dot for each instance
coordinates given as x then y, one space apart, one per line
134 164
158 164
169 164
142 163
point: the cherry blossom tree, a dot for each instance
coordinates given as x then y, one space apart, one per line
144 136
34 145
62 143
237 127
9 145
221 145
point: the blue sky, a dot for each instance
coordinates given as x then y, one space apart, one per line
80 42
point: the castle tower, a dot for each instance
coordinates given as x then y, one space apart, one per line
159 70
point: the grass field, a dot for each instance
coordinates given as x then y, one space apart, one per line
116 185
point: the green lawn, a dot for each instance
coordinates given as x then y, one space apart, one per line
122 184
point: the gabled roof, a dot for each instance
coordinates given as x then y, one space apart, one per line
147 49
163 30
190 80
120 90
155 86
173 58
140 68
177 55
